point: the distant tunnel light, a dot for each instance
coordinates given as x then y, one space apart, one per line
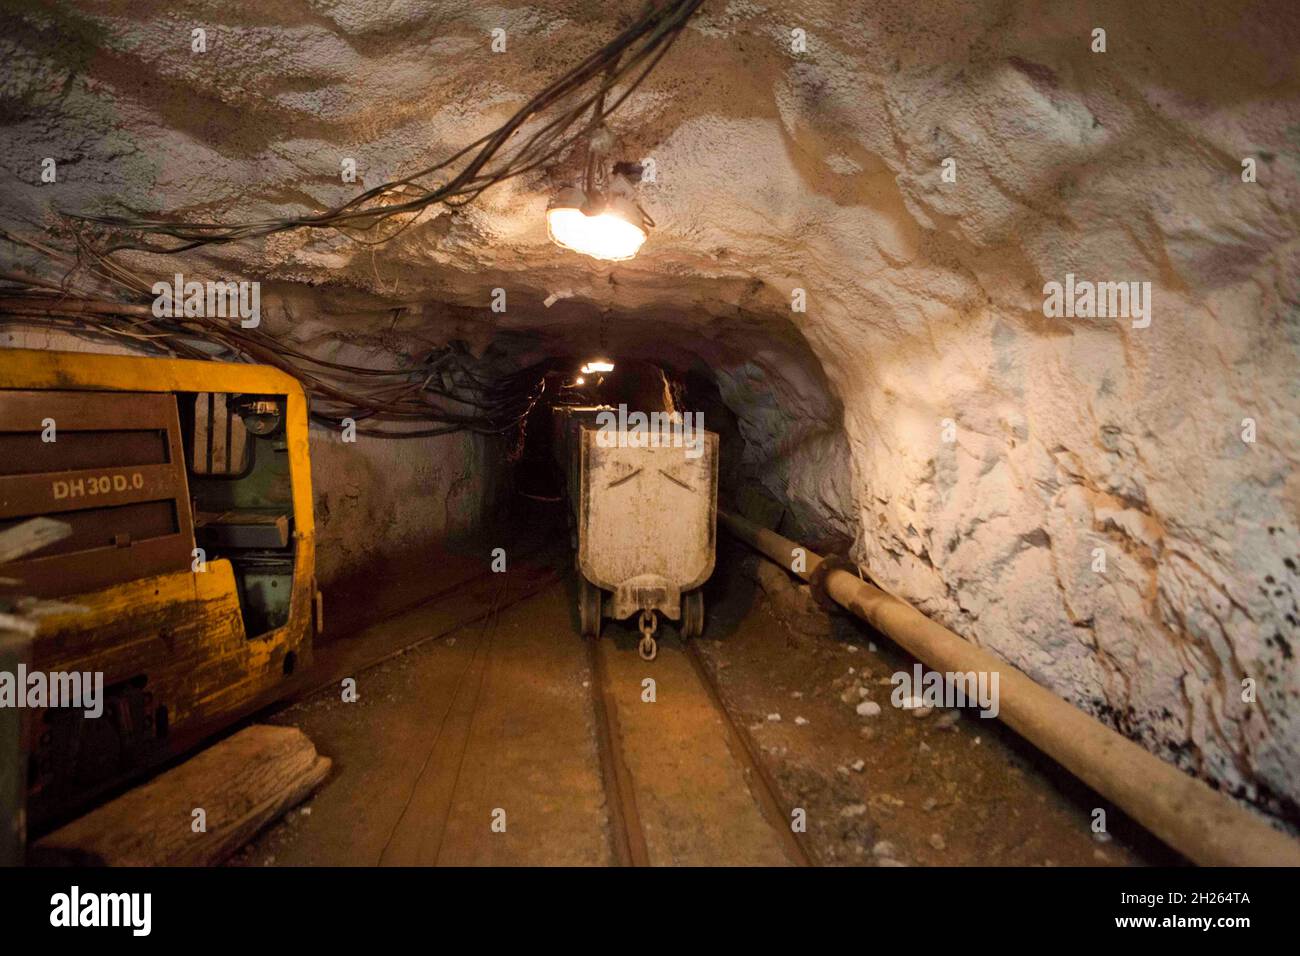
596 366
612 232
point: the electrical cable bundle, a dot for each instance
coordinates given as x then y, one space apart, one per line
640 47
446 386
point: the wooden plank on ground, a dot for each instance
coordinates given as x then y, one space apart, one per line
242 784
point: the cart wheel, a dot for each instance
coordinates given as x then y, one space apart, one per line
589 608
693 613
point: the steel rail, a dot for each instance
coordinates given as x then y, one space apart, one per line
797 846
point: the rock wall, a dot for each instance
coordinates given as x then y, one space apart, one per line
821 172
413 498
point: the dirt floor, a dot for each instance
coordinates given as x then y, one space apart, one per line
925 787
479 746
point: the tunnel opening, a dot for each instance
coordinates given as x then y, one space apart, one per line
636 385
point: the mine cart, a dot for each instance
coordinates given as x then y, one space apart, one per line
644 513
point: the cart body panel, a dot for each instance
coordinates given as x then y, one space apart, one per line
647 516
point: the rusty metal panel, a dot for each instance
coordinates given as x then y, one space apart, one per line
179 664
24 410
115 472
52 492
81 450
48 369
647 519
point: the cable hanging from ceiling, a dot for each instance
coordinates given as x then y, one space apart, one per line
588 87
447 386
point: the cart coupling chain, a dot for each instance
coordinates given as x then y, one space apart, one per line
648 647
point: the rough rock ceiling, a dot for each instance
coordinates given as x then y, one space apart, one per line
821 171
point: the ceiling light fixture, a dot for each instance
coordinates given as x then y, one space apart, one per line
602 223
597 365
608 225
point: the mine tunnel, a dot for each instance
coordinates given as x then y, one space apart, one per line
649 434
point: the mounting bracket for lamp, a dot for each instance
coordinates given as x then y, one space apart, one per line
603 223
630 171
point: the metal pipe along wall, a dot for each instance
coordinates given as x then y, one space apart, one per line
1197 821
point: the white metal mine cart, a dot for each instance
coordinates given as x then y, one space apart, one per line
646 524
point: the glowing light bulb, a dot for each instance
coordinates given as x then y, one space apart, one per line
597 365
612 232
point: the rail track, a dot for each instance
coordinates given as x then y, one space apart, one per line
761 785
629 844
423 831
627 838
